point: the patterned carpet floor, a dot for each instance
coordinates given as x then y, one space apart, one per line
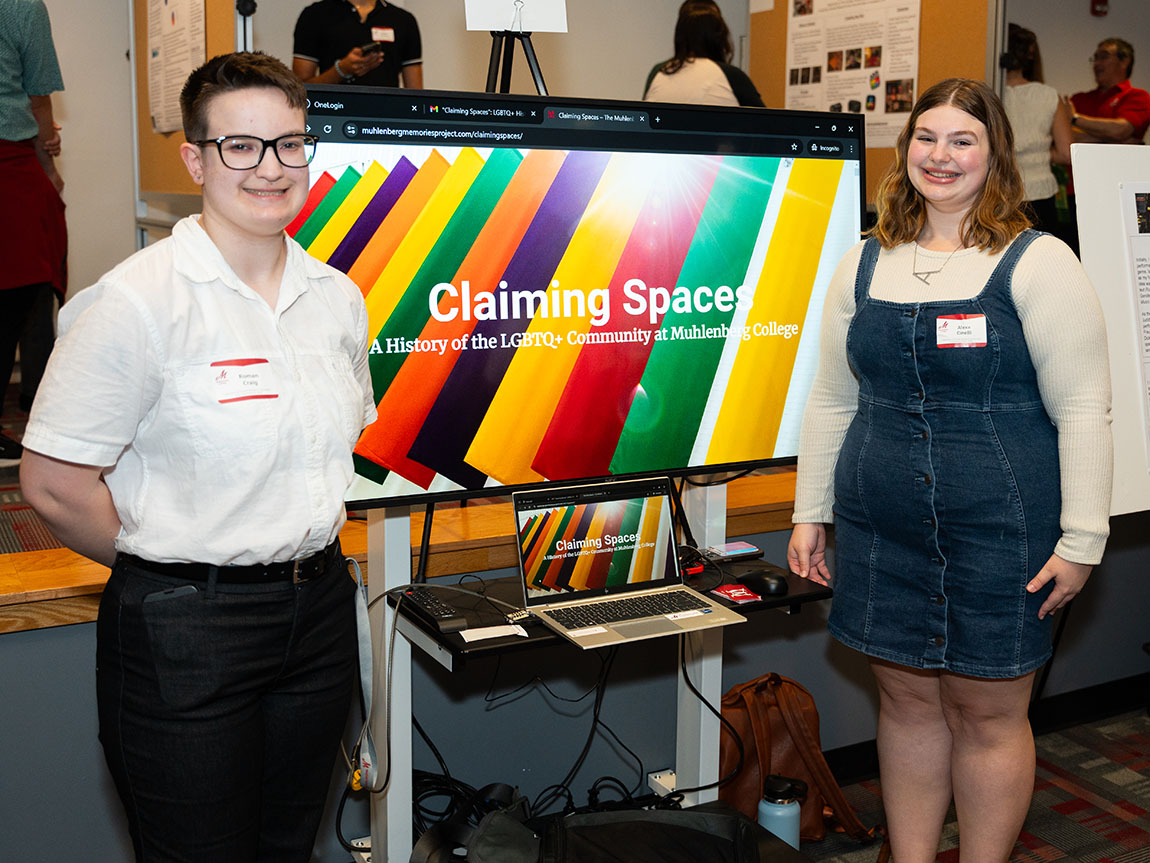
1091 801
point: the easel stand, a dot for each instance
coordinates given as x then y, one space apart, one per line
503 42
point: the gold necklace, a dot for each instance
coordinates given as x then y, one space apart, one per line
924 275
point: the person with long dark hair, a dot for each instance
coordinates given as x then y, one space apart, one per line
701 72
958 435
1041 125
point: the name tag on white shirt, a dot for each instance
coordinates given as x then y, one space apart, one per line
243 379
961 331
382 34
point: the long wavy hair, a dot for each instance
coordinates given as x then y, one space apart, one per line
996 216
700 32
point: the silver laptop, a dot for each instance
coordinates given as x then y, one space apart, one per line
599 563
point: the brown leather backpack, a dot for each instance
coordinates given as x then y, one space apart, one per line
778 723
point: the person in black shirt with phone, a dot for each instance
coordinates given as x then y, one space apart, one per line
357 42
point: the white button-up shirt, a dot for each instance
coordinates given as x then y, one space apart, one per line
226 426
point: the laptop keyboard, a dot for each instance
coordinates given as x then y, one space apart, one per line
628 608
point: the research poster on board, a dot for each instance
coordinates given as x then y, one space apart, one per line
177 44
859 56
1136 227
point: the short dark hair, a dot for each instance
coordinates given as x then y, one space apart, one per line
228 73
1022 53
996 216
700 32
1124 50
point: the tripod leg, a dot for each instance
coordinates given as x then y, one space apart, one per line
493 63
508 58
533 64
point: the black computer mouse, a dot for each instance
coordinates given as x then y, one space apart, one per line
764 582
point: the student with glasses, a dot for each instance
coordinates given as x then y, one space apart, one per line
194 432
1114 112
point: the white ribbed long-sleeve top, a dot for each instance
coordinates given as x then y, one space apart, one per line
1065 334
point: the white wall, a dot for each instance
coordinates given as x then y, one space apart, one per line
92 39
1068 34
607 52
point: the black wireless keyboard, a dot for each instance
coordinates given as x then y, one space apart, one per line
422 602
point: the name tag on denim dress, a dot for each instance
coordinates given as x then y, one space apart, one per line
239 380
961 331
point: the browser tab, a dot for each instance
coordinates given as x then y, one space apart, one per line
600 118
472 110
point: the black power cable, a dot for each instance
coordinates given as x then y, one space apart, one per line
681 516
461 798
347 846
721 480
424 544
548 796
638 761
726 723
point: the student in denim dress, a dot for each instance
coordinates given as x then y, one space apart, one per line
959 431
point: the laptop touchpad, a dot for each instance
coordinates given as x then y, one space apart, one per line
640 628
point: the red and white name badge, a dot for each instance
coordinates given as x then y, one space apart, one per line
960 331
382 34
243 379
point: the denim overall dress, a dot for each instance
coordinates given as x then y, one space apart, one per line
947 497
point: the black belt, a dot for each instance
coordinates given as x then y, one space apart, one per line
296 571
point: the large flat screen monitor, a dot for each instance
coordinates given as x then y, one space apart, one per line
562 289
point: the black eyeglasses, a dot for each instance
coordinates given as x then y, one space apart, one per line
1099 56
244 152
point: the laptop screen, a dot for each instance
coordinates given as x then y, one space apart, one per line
591 540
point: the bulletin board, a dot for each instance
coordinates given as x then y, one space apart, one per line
946 50
161 170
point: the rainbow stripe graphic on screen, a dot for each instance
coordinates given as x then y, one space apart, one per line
546 315
594 545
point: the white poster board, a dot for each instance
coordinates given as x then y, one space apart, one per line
1107 180
519 16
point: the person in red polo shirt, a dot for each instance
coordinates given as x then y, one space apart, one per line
1115 112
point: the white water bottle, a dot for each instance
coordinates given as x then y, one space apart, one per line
779 807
